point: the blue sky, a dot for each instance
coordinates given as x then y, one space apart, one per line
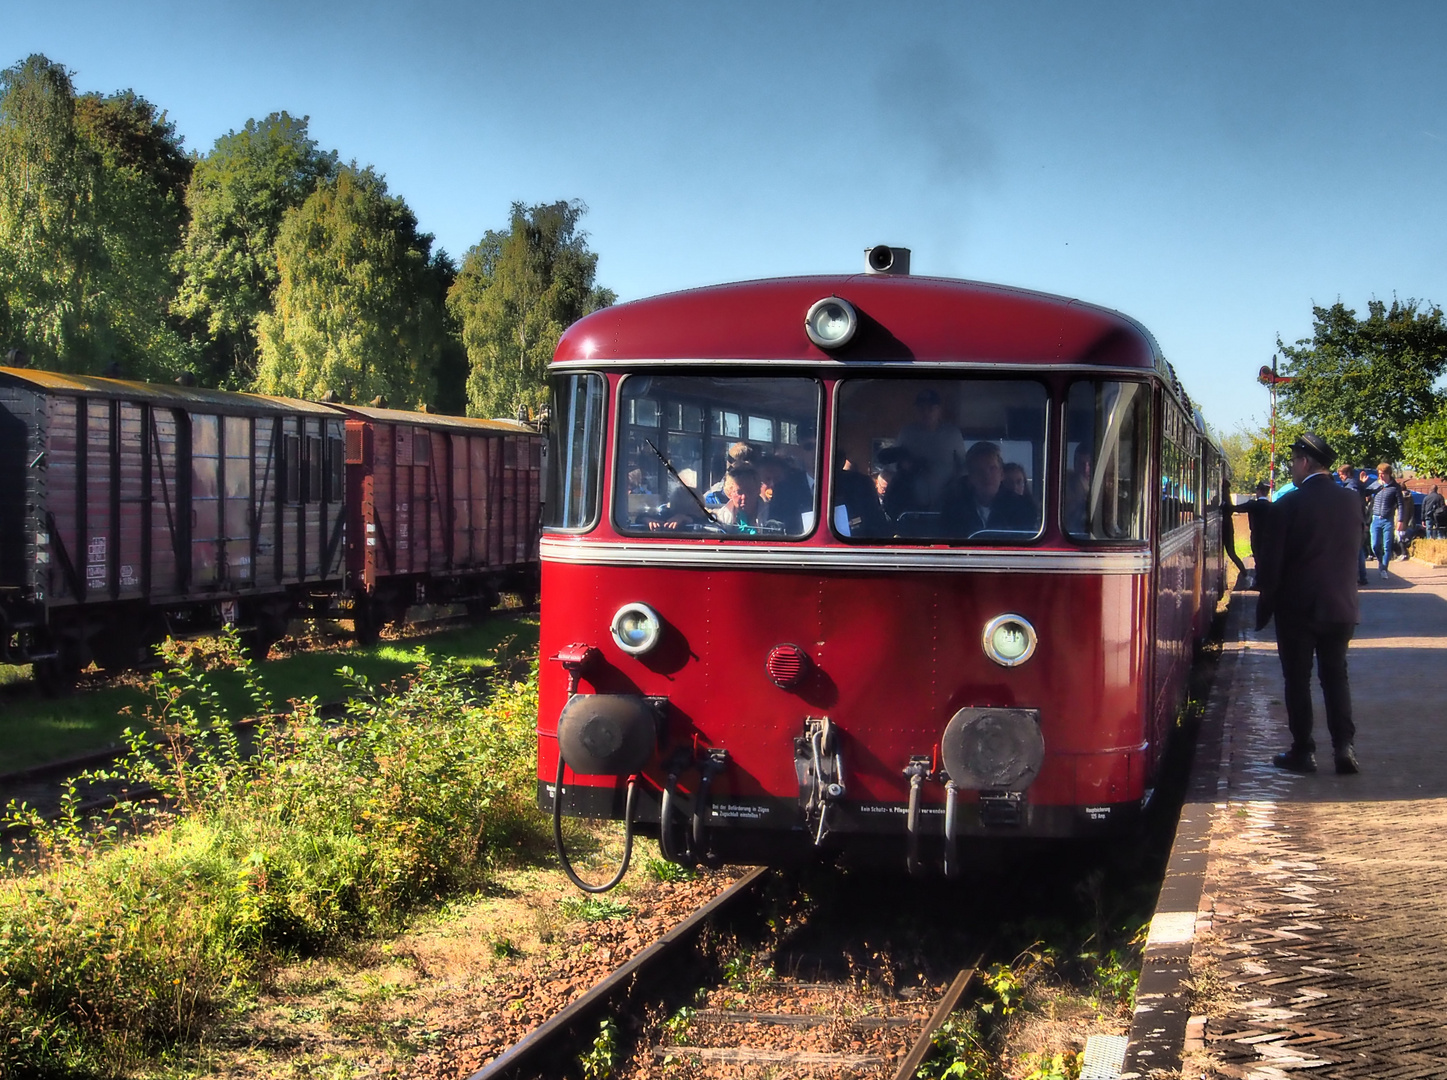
1212 169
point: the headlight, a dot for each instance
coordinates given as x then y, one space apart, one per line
831 322
1009 640
636 628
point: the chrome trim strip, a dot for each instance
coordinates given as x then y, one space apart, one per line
830 363
842 559
1184 538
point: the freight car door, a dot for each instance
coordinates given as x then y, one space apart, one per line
206 532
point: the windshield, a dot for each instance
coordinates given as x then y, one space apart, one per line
731 456
948 459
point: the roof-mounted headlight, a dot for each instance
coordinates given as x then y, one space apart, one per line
831 322
1009 640
636 628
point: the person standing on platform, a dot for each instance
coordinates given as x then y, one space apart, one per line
1255 510
1228 534
1346 477
1434 507
1307 580
1386 504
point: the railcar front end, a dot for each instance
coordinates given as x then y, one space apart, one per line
880 595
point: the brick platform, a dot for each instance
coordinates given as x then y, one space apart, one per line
1317 942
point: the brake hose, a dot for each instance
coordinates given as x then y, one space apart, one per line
558 835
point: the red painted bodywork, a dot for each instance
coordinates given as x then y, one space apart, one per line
436 496
897 653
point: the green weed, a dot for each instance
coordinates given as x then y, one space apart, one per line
599 1062
123 935
594 908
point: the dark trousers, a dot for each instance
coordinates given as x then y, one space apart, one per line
1298 641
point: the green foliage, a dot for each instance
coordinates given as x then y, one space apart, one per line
1008 986
680 1023
1424 444
126 933
669 873
600 1062
594 908
1116 975
236 200
957 1052
89 218
516 293
359 305
1248 452
1055 1067
1361 383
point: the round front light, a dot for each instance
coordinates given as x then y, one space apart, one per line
636 628
1009 640
831 322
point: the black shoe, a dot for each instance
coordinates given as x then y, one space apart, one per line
1297 761
1346 762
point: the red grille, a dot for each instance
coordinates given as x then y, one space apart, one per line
787 666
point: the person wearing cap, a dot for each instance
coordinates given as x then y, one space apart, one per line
1306 574
938 449
1386 504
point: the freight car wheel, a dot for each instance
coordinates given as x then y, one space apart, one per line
56 675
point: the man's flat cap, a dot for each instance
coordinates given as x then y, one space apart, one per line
1313 445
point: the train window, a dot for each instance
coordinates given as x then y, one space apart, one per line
1107 460
314 469
738 478
575 451
949 459
291 469
336 468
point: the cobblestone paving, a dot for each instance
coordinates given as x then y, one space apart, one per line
1327 895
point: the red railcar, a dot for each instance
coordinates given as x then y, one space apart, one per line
126 508
850 637
443 509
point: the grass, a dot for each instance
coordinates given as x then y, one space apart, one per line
40 730
125 939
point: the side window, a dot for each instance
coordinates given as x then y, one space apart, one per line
1107 460
575 451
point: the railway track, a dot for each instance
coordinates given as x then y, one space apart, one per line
820 993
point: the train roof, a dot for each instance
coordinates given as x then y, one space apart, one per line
437 420
194 398
902 319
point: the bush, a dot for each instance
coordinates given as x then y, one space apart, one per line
123 935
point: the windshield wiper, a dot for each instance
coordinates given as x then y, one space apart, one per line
679 480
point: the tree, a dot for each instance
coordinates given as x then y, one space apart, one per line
516 293
1424 445
359 302
1248 452
89 216
237 198
1361 383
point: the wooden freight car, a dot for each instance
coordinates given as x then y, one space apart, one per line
444 509
126 508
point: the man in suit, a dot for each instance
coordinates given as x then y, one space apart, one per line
979 501
1307 576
